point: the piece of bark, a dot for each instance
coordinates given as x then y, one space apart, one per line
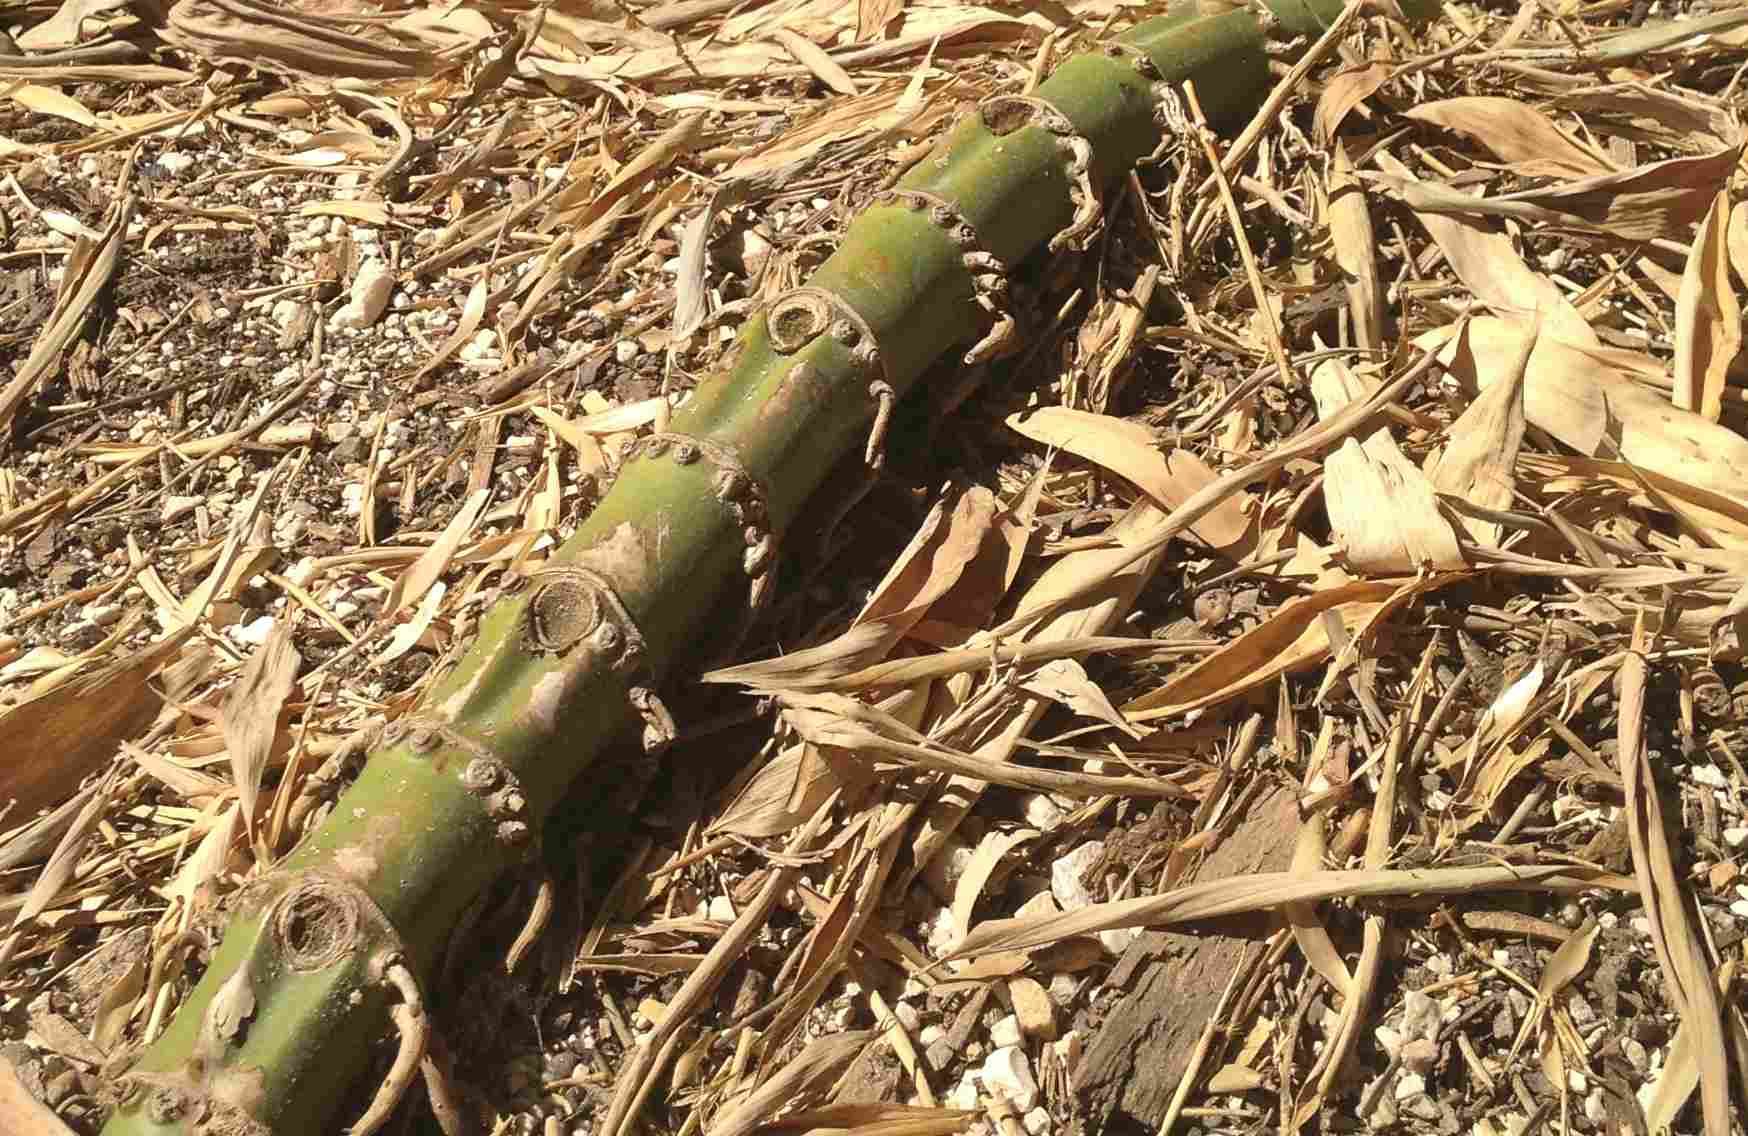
1172 984
21 1114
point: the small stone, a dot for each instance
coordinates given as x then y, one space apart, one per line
1420 1055
1006 1032
1117 940
626 350
1066 871
255 632
1037 1122
1420 1015
1409 1086
941 933
940 1054
1736 835
175 163
1710 775
371 290
1423 1107
964 1094
1033 1009
1042 811
1389 1039
285 312
721 909
1384 1115
929 1034
1007 1073
908 1017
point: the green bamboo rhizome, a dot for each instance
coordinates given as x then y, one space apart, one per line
331 949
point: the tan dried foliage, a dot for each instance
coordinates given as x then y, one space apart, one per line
1235 492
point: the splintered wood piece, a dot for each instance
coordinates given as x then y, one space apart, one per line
1173 984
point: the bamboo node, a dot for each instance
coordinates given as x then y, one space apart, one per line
1138 58
1004 114
989 282
316 924
734 485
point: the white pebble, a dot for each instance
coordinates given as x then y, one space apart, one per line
1065 875
371 290
1007 1073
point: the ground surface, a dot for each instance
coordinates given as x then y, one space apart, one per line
271 371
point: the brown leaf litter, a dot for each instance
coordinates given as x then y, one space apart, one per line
1329 626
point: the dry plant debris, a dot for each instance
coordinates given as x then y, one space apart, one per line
1392 468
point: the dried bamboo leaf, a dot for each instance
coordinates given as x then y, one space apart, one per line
985 859
1350 231
809 1073
251 713
1687 969
1309 932
46 100
90 268
1345 90
1708 318
1516 133
1479 463
211 857
1485 260
1294 638
843 723
1065 681
1268 891
933 561
1130 450
1383 512
1569 960
472 312
1591 398
274 39
412 584
1667 34
73 729
59 870
1659 200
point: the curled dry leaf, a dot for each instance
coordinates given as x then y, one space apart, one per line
1659 200
1130 450
1708 318
1686 964
1345 90
1596 398
1478 464
1517 133
251 712
1294 638
1350 231
1383 512
1485 260
280 38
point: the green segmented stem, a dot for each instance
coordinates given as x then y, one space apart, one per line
283 1020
